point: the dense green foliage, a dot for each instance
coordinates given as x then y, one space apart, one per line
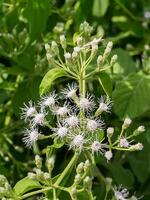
25 26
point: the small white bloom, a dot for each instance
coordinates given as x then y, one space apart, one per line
30 137
62 132
62 111
38 119
72 121
110 131
121 193
77 49
141 129
86 103
98 147
108 155
28 111
147 14
123 143
126 123
104 105
78 141
67 56
49 100
70 91
93 125
136 147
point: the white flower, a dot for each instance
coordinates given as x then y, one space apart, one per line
77 49
93 125
104 105
28 111
72 121
108 155
49 100
147 14
77 142
67 56
62 132
141 129
86 103
62 111
98 147
121 193
30 137
110 131
123 143
70 91
126 123
38 119
136 147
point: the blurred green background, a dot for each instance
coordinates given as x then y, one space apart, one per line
26 25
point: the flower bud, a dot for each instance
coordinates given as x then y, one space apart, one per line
31 175
108 49
113 60
99 60
54 47
136 147
110 131
141 129
47 47
80 41
3 180
67 57
50 164
108 155
38 161
86 166
94 49
73 193
80 168
39 174
126 123
63 41
77 179
47 176
87 183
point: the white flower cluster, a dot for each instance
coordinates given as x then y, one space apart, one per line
79 123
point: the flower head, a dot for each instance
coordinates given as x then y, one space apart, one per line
86 103
38 119
72 121
62 111
62 131
108 155
123 143
77 142
49 100
121 193
30 136
93 124
28 111
104 105
98 147
70 91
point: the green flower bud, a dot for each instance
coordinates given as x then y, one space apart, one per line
47 176
77 179
31 175
73 193
87 183
86 166
3 180
38 161
80 168
126 123
50 164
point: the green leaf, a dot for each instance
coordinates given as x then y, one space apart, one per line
106 83
49 79
100 7
26 185
36 14
121 175
125 64
131 97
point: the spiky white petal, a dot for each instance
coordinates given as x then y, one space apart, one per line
86 103
30 137
28 111
78 142
123 143
70 91
92 125
62 111
104 105
38 119
72 121
49 100
62 132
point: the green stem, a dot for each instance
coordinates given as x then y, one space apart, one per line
69 166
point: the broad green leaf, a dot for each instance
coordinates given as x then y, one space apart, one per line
131 96
49 79
121 175
100 7
140 161
106 83
124 64
26 185
36 14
